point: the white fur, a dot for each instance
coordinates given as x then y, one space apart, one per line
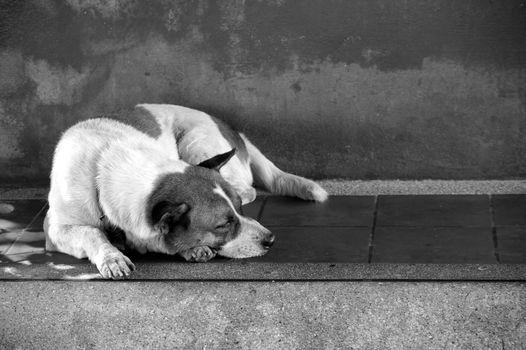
218 190
128 170
103 164
200 139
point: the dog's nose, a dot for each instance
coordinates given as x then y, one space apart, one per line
268 240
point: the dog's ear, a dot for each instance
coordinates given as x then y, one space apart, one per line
217 162
166 215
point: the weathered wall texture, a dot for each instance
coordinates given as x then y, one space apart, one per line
327 88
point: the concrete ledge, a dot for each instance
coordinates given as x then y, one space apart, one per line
357 188
431 187
251 271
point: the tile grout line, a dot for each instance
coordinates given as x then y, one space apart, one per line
36 216
373 228
390 226
493 228
25 228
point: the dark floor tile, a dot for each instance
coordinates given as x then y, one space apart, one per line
28 242
15 219
16 214
252 209
511 244
54 258
433 245
434 211
509 209
336 211
318 244
37 223
135 256
30 239
8 238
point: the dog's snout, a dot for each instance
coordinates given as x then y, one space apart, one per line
268 240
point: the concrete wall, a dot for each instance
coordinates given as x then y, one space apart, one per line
327 88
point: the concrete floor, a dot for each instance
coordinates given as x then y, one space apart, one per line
262 315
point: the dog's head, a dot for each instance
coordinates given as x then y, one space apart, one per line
199 208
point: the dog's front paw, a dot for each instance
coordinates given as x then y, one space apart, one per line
114 265
198 254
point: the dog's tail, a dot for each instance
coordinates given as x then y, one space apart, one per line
269 177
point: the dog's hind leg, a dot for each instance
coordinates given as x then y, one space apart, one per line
269 177
84 241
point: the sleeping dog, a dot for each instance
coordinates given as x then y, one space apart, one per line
107 175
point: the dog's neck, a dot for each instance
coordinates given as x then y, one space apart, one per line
127 174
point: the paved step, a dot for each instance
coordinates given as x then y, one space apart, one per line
386 237
405 272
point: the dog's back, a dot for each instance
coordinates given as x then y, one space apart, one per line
197 136
75 169
84 152
200 136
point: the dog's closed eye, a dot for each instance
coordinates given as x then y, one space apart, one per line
226 224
